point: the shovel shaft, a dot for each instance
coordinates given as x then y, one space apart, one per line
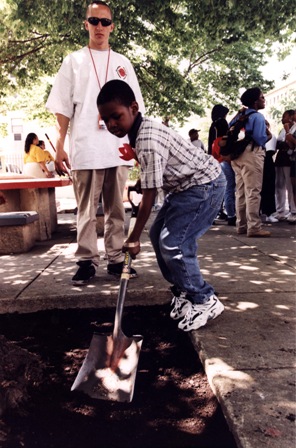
121 295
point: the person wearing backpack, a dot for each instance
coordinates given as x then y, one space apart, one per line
218 129
248 166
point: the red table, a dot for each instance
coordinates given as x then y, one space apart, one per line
28 194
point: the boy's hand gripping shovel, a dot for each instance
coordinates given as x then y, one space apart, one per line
109 369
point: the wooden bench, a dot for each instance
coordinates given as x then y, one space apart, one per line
18 231
24 193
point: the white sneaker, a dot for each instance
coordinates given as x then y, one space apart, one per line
199 314
280 217
180 306
271 219
292 218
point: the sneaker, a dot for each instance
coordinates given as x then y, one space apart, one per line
116 269
222 216
231 221
292 218
271 219
259 234
280 217
199 314
180 306
86 271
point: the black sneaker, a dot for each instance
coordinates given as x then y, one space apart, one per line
86 271
231 221
222 216
116 269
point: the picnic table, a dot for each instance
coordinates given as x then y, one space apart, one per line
31 194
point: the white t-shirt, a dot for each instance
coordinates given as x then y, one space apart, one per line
74 94
271 144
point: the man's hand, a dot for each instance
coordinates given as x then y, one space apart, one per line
127 152
62 162
62 159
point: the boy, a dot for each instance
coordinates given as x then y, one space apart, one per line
194 185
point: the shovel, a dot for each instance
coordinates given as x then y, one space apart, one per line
109 370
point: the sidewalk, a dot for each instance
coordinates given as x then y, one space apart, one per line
248 352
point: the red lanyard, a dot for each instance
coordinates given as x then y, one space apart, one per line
101 123
96 69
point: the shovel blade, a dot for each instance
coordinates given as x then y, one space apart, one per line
102 377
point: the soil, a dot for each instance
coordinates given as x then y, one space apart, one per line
41 353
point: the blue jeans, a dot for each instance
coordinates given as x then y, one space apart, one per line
229 198
183 218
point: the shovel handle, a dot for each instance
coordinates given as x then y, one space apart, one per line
126 269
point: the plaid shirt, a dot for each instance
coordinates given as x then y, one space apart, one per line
169 161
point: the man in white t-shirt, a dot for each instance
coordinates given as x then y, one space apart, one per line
93 156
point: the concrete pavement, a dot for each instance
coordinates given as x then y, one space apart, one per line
248 352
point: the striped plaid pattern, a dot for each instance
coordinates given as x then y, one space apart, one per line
167 160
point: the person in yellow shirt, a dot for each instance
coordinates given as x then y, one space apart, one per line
49 158
35 158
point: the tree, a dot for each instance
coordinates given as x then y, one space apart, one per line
289 102
188 54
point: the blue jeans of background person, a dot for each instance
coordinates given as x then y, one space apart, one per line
229 197
183 218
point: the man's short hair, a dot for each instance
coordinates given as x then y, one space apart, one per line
118 91
250 96
99 2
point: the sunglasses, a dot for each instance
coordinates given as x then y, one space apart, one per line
95 21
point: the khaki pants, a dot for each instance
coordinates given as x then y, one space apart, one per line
88 185
248 170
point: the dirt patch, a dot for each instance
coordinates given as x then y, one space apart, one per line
173 405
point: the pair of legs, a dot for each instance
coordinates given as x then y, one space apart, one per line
183 218
248 170
268 185
283 186
229 197
88 186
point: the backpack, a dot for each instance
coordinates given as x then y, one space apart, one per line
231 145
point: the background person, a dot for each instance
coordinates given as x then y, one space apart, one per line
49 158
291 142
221 127
95 163
34 158
219 112
195 140
283 163
268 184
248 167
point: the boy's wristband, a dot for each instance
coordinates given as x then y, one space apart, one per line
132 244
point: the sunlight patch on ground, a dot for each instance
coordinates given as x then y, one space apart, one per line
216 368
244 306
282 307
286 272
249 268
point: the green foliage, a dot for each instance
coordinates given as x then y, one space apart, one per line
134 172
3 130
188 55
289 102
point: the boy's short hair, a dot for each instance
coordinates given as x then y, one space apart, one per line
118 91
250 96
